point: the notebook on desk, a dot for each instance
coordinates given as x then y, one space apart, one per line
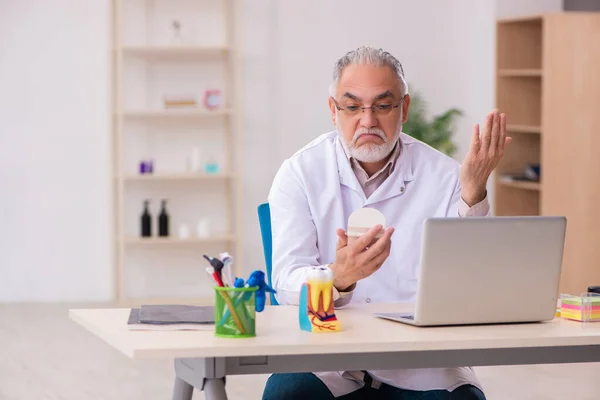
171 317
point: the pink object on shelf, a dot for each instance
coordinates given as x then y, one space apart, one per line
212 99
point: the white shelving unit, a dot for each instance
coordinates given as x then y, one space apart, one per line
173 48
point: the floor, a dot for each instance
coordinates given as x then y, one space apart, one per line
45 356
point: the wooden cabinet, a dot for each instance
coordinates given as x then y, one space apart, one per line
548 84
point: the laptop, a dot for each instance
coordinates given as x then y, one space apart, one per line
487 270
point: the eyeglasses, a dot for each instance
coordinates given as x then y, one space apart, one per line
379 109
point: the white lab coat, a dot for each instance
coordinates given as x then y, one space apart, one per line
313 194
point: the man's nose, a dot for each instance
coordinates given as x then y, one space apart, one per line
367 118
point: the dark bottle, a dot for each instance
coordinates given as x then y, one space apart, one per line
146 221
163 220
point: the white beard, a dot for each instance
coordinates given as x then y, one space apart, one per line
369 152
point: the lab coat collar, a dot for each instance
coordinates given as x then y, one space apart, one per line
345 172
394 185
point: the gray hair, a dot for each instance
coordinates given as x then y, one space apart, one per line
368 56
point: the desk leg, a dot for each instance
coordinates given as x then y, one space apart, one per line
214 389
182 390
207 374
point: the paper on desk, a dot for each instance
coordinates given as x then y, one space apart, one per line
134 324
177 314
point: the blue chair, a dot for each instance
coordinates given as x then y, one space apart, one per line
264 219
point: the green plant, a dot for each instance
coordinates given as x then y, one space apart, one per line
438 132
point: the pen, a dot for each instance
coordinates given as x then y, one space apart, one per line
256 279
218 266
213 274
227 260
230 308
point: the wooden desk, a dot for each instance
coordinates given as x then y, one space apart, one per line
367 342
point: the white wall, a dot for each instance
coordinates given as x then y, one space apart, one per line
55 235
446 49
55 145
517 8
257 41
54 113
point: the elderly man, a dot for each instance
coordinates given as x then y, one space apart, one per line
369 162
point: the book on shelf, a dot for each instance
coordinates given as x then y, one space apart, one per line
518 178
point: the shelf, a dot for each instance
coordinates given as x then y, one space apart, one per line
178 177
175 114
506 181
533 129
520 99
177 241
520 72
174 51
525 18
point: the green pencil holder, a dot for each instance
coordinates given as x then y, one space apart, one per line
235 312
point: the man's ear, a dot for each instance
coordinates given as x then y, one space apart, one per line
332 108
405 106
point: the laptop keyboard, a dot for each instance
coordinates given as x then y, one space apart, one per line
411 317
